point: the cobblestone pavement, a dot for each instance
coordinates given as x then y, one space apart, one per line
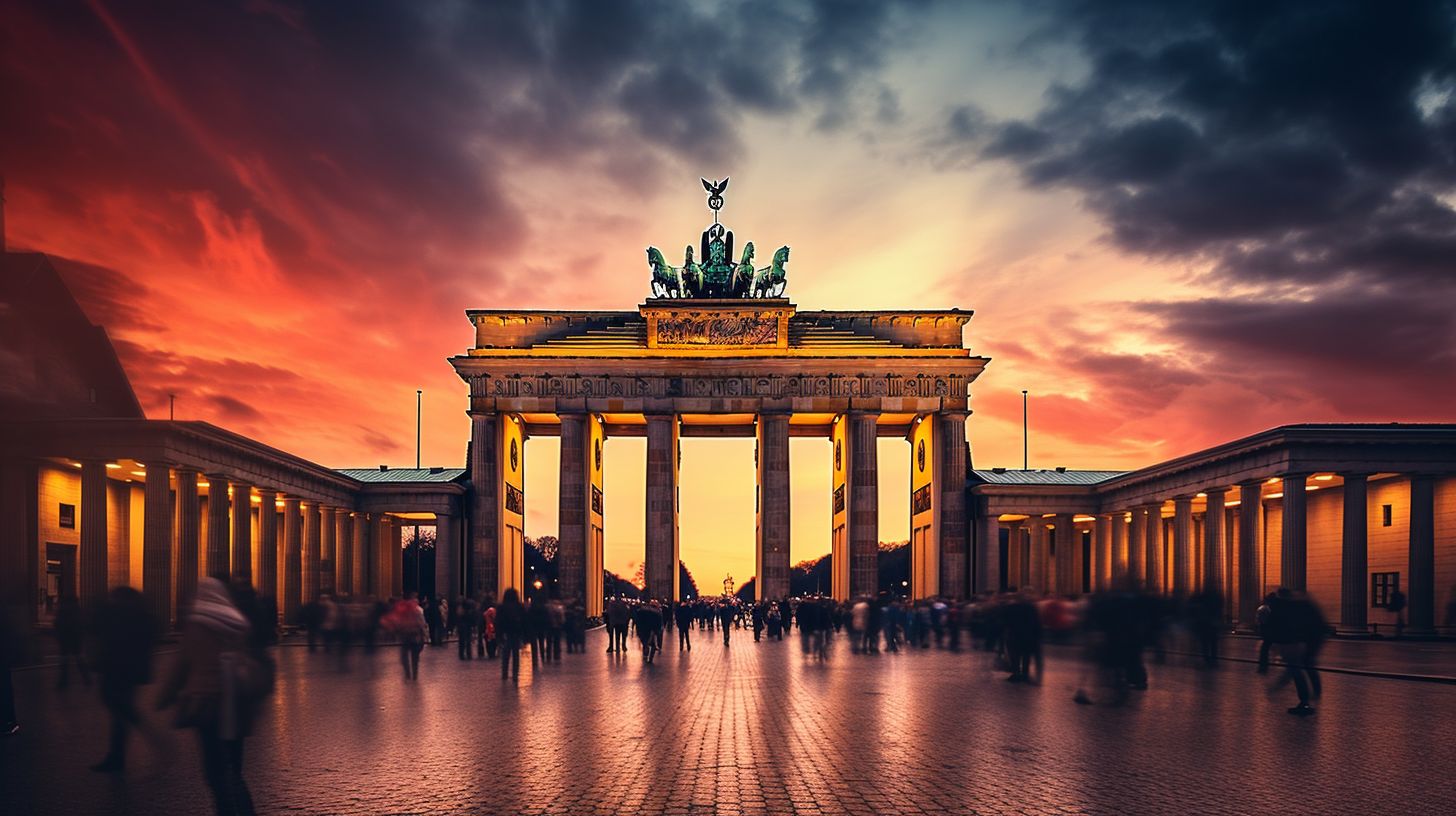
760 729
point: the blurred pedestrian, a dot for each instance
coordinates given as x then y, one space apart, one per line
125 633
1299 629
70 636
510 626
618 615
407 621
216 683
466 616
684 614
647 618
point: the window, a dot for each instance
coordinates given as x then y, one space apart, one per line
1382 586
1384 515
67 517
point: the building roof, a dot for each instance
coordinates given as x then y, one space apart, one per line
1045 477
402 475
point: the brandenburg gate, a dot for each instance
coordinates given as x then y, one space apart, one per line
718 351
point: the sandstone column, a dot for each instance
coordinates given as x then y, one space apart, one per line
988 554
485 478
660 564
343 553
1101 551
1251 591
329 551
189 524
572 515
1016 555
157 542
1182 545
219 549
1119 560
773 490
1422 592
447 558
1068 542
950 461
93 560
1137 569
1293 558
312 550
266 581
242 532
1153 551
359 528
1354 553
1213 542
864 504
292 559
1040 553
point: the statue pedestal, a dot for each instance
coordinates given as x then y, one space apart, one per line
717 322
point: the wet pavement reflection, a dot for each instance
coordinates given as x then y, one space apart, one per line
758 728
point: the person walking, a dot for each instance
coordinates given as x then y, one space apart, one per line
617 617
407 621
648 619
684 614
510 627
487 634
1299 629
725 618
215 684
125 634
70 634
465 618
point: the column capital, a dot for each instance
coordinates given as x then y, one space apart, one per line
1184 499
861 413
1215 491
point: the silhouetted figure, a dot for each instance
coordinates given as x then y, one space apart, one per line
1022 635
70 635
215 684
487 634
1205 617
684 614
407 621
125 633
756 615
510 627
1299 629
555 627
1396 605
465 618
618 616
433 622
1261 625
576 626
311 618
647 618
725 618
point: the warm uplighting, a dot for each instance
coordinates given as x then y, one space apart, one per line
112 466
1274 480
1311 487
1326 477
1084 518
138 473
256 499
1200 495
204 484
1234 503
1278 495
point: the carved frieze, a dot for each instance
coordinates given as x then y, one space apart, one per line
735 330
588 386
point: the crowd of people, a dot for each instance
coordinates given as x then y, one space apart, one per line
224 668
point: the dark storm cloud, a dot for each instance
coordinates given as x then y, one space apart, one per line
373 127
1304 154
1284 141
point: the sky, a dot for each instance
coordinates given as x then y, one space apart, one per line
1177 223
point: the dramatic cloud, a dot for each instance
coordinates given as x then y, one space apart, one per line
1304 155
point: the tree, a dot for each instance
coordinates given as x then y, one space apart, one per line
548 546
686 586
614 585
